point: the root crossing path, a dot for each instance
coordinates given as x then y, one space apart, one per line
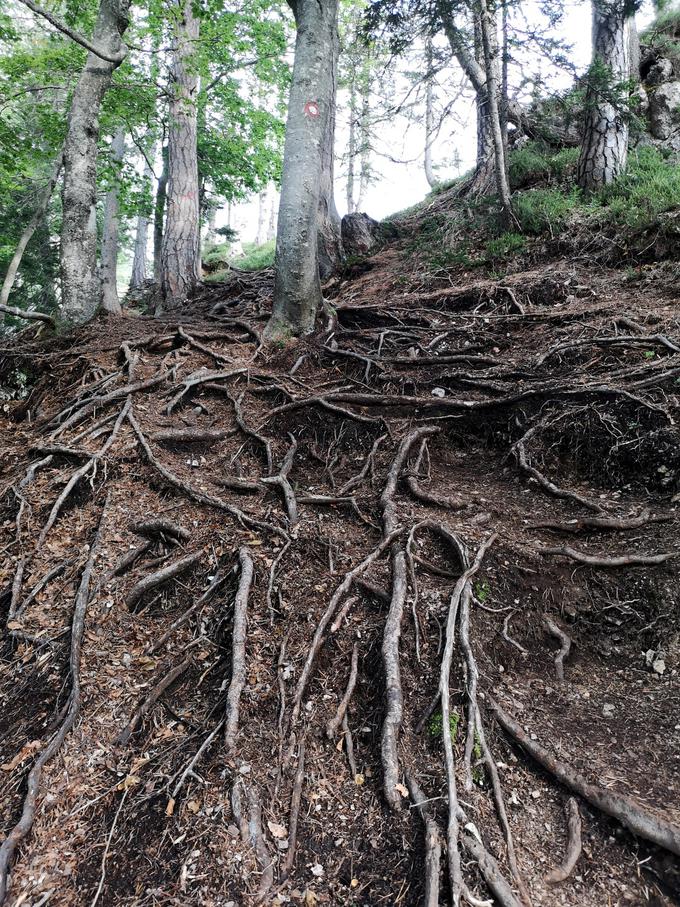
387 616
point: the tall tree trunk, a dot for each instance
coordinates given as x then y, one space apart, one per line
429 117
181 238
351 144
490 50
633 50
29 230
80 279
297 289
604 150
261 216
138 277
271 229
159 215
329 235
365 134
110 230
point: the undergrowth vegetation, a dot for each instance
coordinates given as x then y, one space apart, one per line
218 259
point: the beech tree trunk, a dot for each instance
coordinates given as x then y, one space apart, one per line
81 285
261 216
604 150
271 229
365 135
297 288
330 233
490 50
159 215
110 230
429 118
138 277
351 145
181 237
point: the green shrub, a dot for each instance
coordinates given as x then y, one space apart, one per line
527 164
544 210
564 162
650 186
505 245
256 257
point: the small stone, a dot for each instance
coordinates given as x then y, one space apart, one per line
659 666
438 392
535 794
608 710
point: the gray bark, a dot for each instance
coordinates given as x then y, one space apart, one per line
351 145
429 118
604 150
181 239
297 288
80 278
138 277
490 50
633 50
29 230
110 230
329 236
271 228
261 217
159 215
365 133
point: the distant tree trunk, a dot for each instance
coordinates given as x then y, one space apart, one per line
429 117
271 229
80 279
633 50
330 232
604 150
29 230
159 215
365 134
297 289
110 230
181 237
490 50
351 145
261 216
138 277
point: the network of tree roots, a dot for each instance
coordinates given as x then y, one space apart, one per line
236 579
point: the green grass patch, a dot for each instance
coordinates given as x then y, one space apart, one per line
256 257
650 186
541 211
436 725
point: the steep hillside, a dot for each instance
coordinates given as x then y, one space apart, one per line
232 575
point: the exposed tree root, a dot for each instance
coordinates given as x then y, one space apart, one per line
238 650
547 485
183 618
161 527
145 707
281 480
156 579
433 847
625 560
295 803
601 523
334 724
623 809
506 635
23 826
571 857
241 422
565 644
196 379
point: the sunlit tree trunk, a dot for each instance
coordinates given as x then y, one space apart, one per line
604 150
110 231
138 277
429 118
351 145
261 216
365 134
271 228
181 238
297 288
81 285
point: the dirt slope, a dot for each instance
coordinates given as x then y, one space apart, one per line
552 399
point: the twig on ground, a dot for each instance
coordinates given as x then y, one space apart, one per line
295 803
349 747
433 847
333 725
245 428
145 707
107 847
183 618
565 646
506 635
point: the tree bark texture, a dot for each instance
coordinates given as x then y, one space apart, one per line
365 134
110 231
351 144
604 150
141 241
297 288
159 215
329 236
429 118
80 279
181 238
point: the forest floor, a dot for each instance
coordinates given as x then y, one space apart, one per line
435 411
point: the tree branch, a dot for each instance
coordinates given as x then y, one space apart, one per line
115 59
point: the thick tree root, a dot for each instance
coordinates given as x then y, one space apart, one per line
433 847
145 707
565 644
161 576
281 480
624 560
565 869
624 810
333 725
238 650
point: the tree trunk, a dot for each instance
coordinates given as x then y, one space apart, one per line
352 144
605 138
365 134
138 277
29 230
80 279
181 238
490 50
633 50
429 118
110 229
330 233
261 216
159 215
297 289
271 229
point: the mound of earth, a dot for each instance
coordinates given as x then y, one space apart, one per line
237 579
